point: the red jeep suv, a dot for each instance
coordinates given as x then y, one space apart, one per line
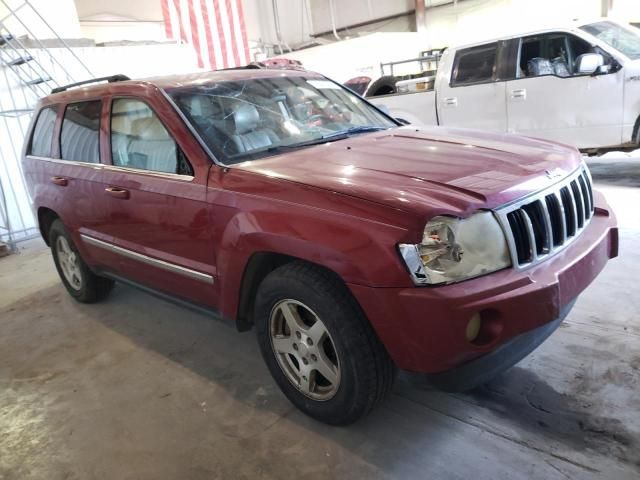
354 245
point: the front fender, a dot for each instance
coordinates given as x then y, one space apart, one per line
359 251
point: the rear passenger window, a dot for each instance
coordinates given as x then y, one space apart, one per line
475 65
139 139
43 132
79 139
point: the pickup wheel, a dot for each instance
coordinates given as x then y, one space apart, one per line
81 283
318 346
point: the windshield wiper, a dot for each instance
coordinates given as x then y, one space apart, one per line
352 130
327 138
339 135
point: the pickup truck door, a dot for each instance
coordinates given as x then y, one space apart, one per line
472 94
548 99
156 197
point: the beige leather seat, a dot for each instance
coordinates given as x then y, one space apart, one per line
142 143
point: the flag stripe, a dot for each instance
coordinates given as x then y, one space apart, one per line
217 48
177 5
208 35
195 38
174 21
232 31
184 21
165 14
243 30
204 49
224 27
222 41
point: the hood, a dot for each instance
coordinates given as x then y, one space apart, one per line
426 171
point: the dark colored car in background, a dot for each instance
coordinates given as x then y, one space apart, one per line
353 245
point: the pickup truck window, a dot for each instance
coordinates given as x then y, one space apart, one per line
79 138
550 54
43 132
475 65
139 140
251 119
626 41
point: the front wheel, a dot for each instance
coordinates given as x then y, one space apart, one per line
318 345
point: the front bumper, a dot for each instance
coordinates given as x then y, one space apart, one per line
484 368
423 328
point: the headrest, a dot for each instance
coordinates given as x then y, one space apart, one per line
194 104
245 118
199 105
149 128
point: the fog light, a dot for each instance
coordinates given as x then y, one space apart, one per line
473 327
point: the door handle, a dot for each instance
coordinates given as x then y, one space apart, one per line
117 192
451 101
60 181
521 93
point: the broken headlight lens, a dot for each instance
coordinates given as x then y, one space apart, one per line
454 249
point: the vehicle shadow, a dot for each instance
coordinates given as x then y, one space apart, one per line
408 434
523 400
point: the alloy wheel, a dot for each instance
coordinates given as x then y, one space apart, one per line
304 349
69 263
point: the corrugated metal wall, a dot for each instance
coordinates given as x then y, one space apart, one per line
16 219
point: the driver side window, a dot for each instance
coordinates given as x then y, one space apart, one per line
551 54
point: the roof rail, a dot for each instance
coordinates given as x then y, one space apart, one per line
112 78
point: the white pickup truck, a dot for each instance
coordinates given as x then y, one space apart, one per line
577 85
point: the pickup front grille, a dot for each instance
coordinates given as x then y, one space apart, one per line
542 224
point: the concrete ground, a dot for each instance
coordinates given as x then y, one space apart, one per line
139 388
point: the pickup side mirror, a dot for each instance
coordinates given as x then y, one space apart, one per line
589 63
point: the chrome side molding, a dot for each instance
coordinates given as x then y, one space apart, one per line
170 267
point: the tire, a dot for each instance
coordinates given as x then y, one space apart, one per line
383 86
81 283
349 370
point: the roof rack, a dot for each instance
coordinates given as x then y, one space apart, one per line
112 78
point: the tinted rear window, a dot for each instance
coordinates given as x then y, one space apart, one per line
43 132
475 65
79 139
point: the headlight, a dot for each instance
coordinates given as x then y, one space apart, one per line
454 249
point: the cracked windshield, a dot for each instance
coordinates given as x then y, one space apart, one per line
250 119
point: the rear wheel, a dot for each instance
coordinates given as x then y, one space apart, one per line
320 349
81 283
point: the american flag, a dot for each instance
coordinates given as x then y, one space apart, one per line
214 28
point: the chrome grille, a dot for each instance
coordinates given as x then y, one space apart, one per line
542 224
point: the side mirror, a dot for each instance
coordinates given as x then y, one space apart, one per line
589 63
